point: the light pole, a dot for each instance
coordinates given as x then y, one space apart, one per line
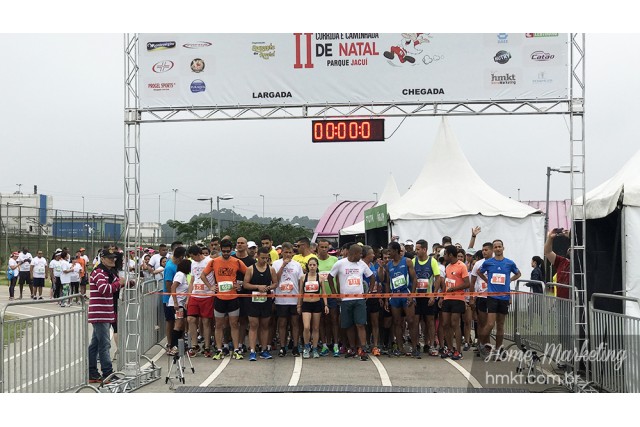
226 196
175 191
82 205
561 169
376 197
262 195
210 199
336 194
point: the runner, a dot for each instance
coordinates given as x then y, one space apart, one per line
267 242
288 273
428 281
13 271
242 253
349 274
453 306
329 326
402 280
170 270
200 307
177 302
467 317
311 307
304 252
214 247
252 249
38 273
260 280
76 273
496 272
65 276
24 261
226 286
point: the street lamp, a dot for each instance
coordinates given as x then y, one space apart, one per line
376 197
336 194
226 196
262 195
561 169
210 199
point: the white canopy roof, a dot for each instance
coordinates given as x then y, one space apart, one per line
389 195
468 194
602 200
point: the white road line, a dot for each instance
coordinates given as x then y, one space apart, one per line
217 372
384 376
297 370
32 349
474 382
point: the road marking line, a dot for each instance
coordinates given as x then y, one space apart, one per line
217 372
384 376
297 370
474 382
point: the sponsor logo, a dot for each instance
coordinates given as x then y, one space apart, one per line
283 94
502 57
161 86
162 66
264 51
503 38
151 46
539 55
196 45
542 78
424 91
503 79
197 65
198 86
533 35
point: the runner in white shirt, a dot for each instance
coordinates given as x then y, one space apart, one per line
288 274
178 301
200 306
479 303
349 276
13 266
38 274
65 277
76 270
55 270
24 262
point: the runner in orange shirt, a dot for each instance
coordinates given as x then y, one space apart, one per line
226 303
453 306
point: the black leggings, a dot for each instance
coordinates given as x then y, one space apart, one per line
12 286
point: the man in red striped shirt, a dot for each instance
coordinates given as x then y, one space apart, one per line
103 283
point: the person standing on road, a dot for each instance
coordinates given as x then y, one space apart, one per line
288 274
13 267
242 254
453 306
332 320
55 269
311 307
103 283
24 261
38 274
200 308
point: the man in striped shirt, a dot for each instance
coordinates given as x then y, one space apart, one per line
103 283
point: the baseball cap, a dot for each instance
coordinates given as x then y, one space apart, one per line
251 244
57 253
332 251
279 247
15 254
107 253
408 243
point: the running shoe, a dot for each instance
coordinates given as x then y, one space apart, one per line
315 353
433 351
446 354
349 353
375 351
305 353
343 350
416 354
336 350
265 355
456 355
218 356
193 351
395 353
466 347
237 354
295 352
207 353
325 350
252 356
362 354
282 352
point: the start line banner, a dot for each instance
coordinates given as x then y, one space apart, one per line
230 70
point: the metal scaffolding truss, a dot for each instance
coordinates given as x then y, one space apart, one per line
573 106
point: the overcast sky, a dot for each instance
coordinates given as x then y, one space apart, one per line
62 114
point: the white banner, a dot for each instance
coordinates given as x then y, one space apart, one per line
226 70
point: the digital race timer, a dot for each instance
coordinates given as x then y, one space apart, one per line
347 130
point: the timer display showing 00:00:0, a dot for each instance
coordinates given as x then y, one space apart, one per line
347 130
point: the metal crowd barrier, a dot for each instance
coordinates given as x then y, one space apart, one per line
541 322
151 319
614 347
43 353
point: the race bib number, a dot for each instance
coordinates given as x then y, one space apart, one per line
286 287
225 286
198 287
58 268
180 313
398 282
323 276
423 284
354 281
258 297
498 279
311 286
39 269
450 283
483 286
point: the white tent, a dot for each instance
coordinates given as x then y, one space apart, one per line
433 207
389 195
623 188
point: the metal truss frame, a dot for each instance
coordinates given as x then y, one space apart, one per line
573 106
